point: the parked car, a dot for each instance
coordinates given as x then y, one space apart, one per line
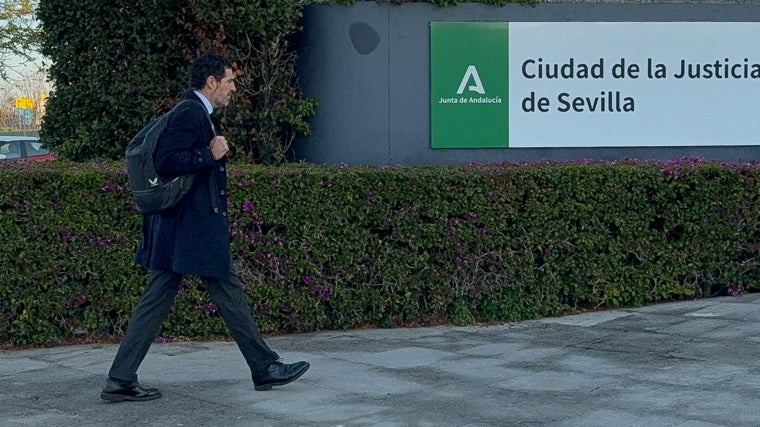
24 148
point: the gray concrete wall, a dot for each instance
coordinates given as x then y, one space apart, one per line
368 64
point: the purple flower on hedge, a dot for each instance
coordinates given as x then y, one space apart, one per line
99 241
307 280
459 261
68 237
247 206
313 289
77 301
160 339
326 293
109 187
734 289
210 309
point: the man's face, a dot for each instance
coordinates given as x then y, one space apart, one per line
221 90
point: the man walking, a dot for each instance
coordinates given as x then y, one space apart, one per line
193 238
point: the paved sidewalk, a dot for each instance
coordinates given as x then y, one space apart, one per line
692 363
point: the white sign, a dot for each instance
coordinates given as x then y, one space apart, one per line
627 84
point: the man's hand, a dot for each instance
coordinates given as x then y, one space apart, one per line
219 147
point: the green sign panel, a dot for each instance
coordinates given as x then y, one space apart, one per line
469 81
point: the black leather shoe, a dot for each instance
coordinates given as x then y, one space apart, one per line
119 391
279 374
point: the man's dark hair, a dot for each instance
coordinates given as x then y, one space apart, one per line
206 65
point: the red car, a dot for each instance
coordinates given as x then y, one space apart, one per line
24 148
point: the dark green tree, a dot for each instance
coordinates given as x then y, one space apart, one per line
114 64
270 109
117 64
19 36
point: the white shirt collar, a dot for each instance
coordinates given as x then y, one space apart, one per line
205 101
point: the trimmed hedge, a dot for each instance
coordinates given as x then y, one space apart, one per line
342 247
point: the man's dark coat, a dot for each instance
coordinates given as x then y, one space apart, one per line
193 237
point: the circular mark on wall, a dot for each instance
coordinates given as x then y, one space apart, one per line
364 38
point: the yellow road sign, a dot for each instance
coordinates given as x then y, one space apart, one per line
24 103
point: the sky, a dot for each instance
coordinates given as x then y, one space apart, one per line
24 77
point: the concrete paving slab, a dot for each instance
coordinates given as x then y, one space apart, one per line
682 364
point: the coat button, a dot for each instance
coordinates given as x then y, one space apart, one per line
222 192
221 168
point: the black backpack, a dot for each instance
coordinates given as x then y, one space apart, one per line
152 193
